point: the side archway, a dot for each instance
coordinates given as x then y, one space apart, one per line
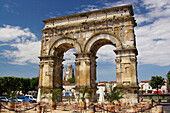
63 44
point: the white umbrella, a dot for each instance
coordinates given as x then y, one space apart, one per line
39 95
101 98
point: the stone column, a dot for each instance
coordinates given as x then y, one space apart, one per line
126 67
58 75
46 72
51 73
85 75
41 65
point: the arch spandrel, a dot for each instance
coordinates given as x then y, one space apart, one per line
67 41
112 39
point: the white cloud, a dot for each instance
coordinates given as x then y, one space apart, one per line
69 57
86 8
106 54
9 33
24 45
27 52
153 37
153 42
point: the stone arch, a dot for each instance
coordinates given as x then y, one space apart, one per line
92 45
112 26
65 43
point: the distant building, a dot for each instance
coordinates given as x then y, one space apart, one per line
105 86
68 88
145 88
69 73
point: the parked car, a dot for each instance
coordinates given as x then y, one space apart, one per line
34 100
15 99
3 99
24 98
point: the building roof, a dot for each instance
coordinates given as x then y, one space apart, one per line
101 85
69 84
144 81
113 82
65 81
103 82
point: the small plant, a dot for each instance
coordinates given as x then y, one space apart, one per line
11 94
114 94
54 97
83 93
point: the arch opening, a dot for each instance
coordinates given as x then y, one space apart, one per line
98 44
106 66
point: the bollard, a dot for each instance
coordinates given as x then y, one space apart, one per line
0 106
39 107
159 109
92 109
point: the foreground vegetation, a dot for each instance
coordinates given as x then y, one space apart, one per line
18 83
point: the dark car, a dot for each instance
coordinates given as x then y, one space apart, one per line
168 100
3 99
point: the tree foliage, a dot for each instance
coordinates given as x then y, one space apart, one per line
71 80
17 83
34 83
168 77
156 82
114 94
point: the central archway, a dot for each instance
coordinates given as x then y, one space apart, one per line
96 42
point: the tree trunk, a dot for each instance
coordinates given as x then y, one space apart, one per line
157 93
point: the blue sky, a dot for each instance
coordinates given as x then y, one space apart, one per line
21 25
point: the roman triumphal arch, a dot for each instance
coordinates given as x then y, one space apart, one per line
87 32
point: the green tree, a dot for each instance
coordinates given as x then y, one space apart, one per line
11 83
25 85
71 80
156 82
114 94
2 85
168 77
17 83
34 83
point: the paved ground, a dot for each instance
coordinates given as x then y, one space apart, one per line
166 107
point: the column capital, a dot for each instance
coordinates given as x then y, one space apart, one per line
82 54
124 50
118 60
41 64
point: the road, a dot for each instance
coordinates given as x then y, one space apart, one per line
166 107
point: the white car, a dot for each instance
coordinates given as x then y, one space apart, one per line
3 99
34 100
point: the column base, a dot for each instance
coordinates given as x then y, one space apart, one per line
130 94
90 95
